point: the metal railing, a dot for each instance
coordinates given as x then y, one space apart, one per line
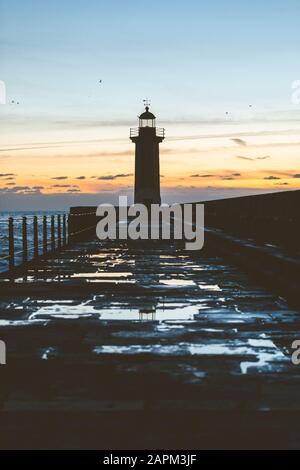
159 131
52 236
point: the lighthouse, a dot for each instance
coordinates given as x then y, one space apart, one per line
147 138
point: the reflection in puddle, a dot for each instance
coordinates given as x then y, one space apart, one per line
177 282
115 312
168 326
103 275
218 349
266 355
56 302
261 354
263 358
136 348
18 322
147 313
213 287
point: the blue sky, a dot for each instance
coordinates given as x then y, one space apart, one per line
193 55
196 60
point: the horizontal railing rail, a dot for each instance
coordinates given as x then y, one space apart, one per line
135 131
160 132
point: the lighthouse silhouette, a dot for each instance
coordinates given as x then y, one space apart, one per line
147 138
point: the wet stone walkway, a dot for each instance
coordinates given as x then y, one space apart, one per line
144 346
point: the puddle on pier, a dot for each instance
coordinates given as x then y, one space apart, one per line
102 275
207 305
177 282
252 356
212 287
115 312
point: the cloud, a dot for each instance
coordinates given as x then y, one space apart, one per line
16 149
30 191
240 142
80 178
202 176
55 145
21 190
114 177
38 188
272 178
4 175
65 143
297 175
73 190
123 153
241 157
64 186
59 178
235 135
107 178
282 184
15 189
224 177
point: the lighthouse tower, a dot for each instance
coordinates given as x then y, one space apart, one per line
147 138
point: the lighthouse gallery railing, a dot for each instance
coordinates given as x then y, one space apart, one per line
135 131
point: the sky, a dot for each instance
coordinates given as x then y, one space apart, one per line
223 78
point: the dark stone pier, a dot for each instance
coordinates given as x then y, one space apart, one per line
143 345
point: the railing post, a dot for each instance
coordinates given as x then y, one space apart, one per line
64 230
52 233
35 238
58 232
11 242
24 241
44 235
